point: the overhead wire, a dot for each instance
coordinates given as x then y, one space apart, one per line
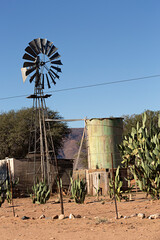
105 83
88 86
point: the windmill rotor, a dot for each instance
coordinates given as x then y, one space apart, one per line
41 64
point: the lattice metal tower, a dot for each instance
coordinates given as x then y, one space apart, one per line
41 56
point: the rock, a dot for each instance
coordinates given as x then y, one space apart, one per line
69 200
61 216
25 218
141 215
125 217
16 215
134 215
57 201
78 216
157 216
154 216
42 216
55 217
119 215
71 216
103 202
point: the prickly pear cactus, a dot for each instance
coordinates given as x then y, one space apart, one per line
140 151
41 193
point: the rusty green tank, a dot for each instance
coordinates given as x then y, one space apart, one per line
103 136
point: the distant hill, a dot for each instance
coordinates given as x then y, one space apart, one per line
71 145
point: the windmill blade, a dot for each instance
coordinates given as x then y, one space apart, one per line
43 43
56 68
30 51
42 81
54 73
29 64
52 77
30 70
56 55
38 44
34 65
48 46
28 57
32 78
49 86
34 46
23 71
58 62
52 50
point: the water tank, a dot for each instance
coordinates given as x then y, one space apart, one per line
103 136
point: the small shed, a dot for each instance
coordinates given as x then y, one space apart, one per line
23 170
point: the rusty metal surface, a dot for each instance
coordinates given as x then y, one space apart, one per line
103 136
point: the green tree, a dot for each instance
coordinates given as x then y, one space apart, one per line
151 122
15 131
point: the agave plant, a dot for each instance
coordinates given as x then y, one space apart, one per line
115 186
41 192
78 189
5 191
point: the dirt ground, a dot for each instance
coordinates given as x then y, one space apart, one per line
97 220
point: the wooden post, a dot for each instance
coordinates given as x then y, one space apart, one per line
59 182
61 196
114 188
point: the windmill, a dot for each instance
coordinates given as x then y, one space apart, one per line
41 66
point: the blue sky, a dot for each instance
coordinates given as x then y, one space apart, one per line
99 41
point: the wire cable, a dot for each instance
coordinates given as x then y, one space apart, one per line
89 86
106 83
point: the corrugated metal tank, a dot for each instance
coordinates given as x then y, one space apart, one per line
103 136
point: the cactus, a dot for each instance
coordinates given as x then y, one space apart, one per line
140 151
5 191
78 190
116 185
8 192
41 192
